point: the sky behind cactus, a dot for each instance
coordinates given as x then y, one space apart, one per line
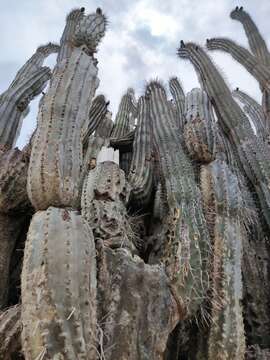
140 43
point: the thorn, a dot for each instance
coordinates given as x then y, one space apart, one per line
99 11
236 9
107 103
72 312
237 89
207 41
82 9
241 8
182 44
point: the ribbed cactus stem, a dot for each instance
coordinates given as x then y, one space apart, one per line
244 57
97 114
56 157
59 287
35 62
254 110
15 100
222 200
200 132
141 169
256 41
124 115
105 127
10 333
252 151
186 244
179 99
66 42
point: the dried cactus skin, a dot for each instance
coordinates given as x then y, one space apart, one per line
141 169
186 244
104 198
244 57
179 99
10 331
200 132
254 110
10 227
56 157
59 287
136 305
13 177
252 151
222 197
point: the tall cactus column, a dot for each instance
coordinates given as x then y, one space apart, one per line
59 268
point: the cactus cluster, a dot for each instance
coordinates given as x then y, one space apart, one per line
146 237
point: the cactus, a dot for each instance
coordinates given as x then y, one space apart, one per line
141 169
105 127
254 110
29 82
222 198
179 100
200 131
252 152
59 287
56 157
244 57
186 245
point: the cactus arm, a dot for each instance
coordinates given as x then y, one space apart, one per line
59 287
253 153
179 99
123 116
200 130
97 113
141 169
254 110
10 332
222 200
255 39
124 143
244 57
186 245
15 100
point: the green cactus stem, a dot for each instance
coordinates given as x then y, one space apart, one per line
254 111
56 157
141 169
222 200
179 100
59 287
186 244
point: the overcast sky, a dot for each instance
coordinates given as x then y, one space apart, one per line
140 43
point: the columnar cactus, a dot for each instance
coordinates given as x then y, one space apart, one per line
222 199
59 287
179 99
254 110
56 157
200 132
105 127
186 244
141 169
28 83
252 151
